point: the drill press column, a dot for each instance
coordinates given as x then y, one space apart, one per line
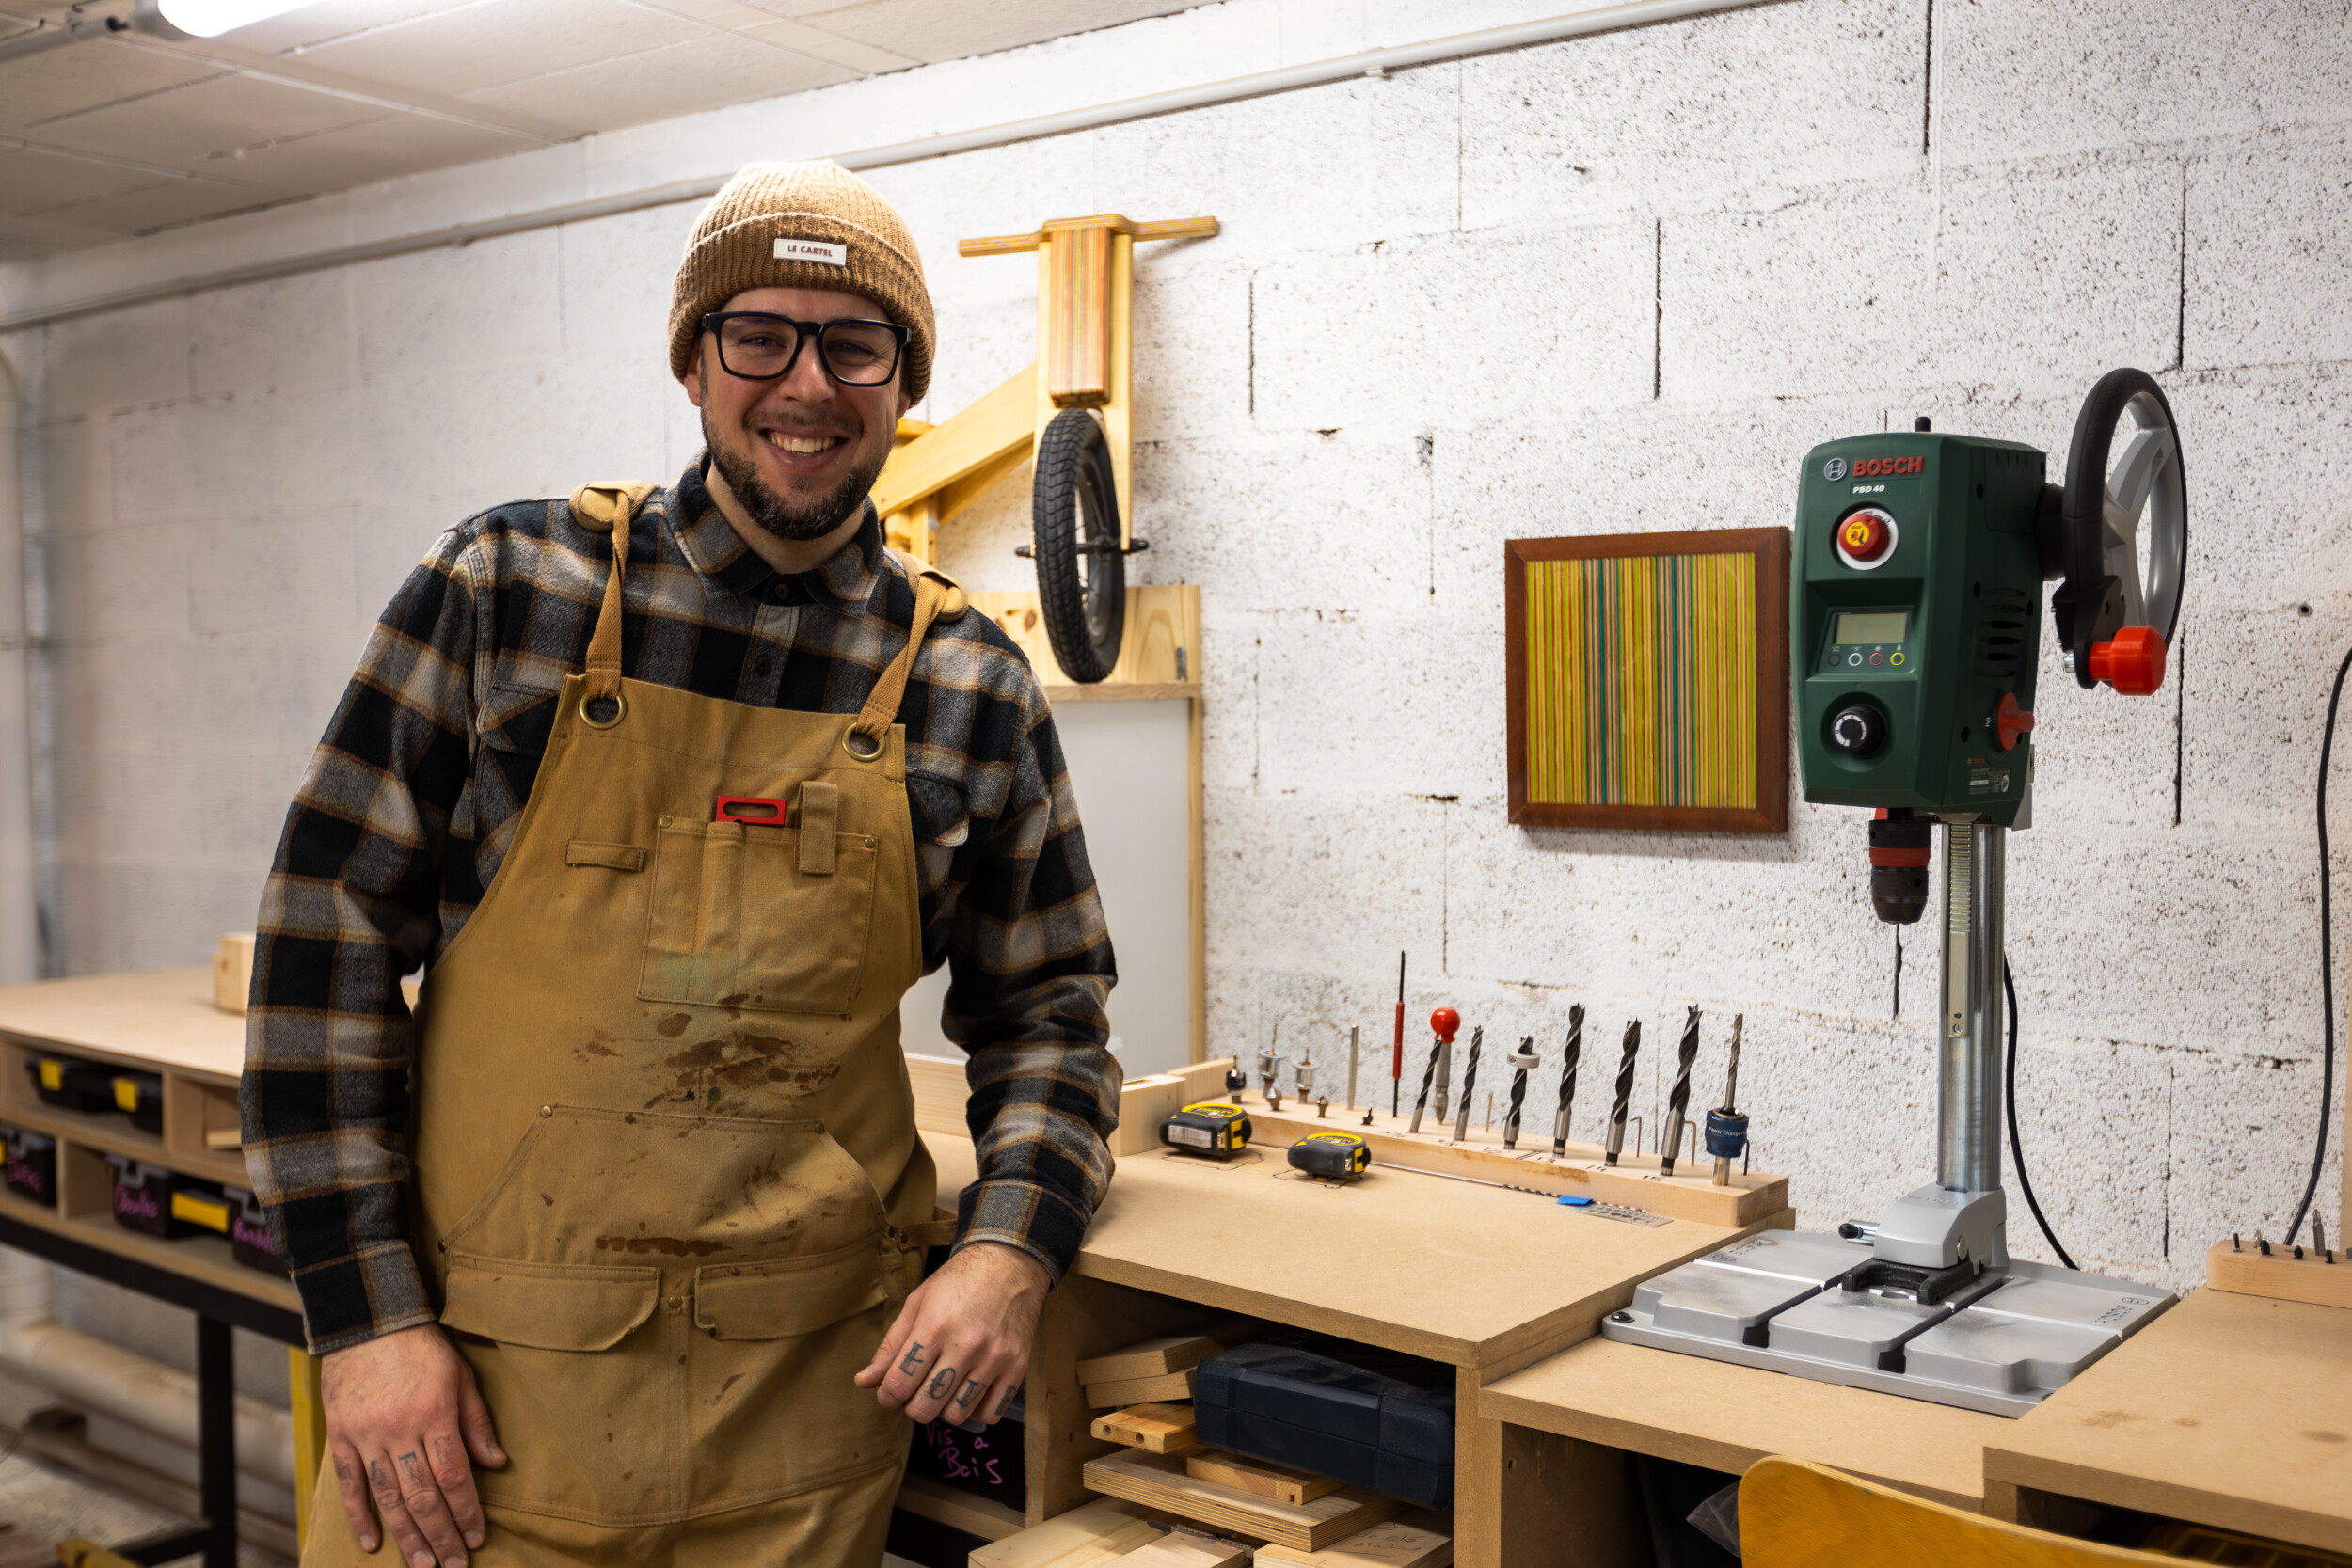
1968 1118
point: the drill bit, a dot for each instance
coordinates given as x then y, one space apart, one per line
1521 1059
1470 1079
1567 1081
1303 1077
1442 1025
1726 1128
1353 1046
1679 1097
1445 1076
1625 1089
1269 1070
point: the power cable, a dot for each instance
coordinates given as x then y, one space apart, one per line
2326 962
2016 1151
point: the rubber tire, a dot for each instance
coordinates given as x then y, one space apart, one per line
1084 598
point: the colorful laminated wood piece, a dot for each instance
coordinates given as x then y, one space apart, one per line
1078 333
1641 681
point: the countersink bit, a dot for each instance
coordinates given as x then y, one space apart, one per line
1303 1078
1679 1097
1442 1025
1469 1078
1521 1059
1625 1089
1567 1081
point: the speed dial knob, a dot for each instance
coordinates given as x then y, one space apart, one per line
1858 731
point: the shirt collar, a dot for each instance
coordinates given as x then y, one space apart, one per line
848 582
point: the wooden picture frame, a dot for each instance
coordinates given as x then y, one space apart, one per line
1674 735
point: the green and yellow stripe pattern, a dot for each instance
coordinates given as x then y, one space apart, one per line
1641 681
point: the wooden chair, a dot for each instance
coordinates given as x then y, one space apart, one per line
1796 1514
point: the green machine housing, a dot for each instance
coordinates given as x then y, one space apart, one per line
1902 663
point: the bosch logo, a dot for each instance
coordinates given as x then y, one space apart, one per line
1835 470
1881 467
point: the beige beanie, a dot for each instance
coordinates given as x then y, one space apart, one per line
801 226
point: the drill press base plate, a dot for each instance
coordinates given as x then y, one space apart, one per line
2002 1347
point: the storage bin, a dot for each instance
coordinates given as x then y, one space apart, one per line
140 1097
71 1084
159 1202
32 1165
248 1233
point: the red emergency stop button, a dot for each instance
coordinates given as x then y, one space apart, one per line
2009 721
2133 663
1865 538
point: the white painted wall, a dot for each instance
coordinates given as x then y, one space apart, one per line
1622 282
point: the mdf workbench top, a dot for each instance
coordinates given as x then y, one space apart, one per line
159 1018
2229 1410
1726 1417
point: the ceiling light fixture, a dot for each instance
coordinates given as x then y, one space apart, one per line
207 18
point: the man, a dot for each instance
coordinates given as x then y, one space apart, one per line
675 793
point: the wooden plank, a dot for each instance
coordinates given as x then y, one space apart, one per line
940 1092
1153 1428
1392 1544
1183 1549
1724 1418
973 439
162 1019
1158 1480
2240 1267
205 1258
1083 1318
1141 1390
1161 646
2229 1410
1143 1104
232 972
929 1498
1156 1357
1259 1477
1101 1531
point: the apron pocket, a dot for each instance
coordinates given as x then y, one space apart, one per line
548 1306
743 917
788 1296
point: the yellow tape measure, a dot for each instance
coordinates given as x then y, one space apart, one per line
1333 1156
1213 1128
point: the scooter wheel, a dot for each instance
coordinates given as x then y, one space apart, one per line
1081 591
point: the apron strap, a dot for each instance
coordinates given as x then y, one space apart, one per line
926 1234
935 594
597 508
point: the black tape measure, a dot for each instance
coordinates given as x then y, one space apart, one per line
1334 1156
1211 1129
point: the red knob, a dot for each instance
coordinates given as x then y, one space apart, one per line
2011 721
1444 1022
1866 535
2133 663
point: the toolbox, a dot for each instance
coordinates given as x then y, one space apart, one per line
1359 1413
159 1202
248 1232
71 1084
32 1165
141 1096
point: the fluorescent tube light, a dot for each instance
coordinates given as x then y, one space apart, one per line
208 19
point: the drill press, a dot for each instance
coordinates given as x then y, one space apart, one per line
1915 630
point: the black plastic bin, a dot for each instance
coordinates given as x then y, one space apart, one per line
32 1165
158 1202
73 1084
248 1232
140 1097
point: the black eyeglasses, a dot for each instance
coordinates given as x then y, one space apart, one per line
756 346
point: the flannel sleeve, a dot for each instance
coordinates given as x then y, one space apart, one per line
351 905
1031 969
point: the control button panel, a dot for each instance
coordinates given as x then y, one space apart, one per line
1870 641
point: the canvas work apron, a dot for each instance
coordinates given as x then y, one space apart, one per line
669 1191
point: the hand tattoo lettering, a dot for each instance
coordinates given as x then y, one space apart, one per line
941 1383
913 1359
413 1468
446 1454
382 1478
345 1473
973 1389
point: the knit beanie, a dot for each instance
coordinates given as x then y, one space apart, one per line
801 226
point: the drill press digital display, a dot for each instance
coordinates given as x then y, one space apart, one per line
1915 629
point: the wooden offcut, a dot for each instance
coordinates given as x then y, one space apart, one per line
232 972
1259 1477
1169 1352
1159 1481
1182 1549
1392 1544
1153 1428
1141 1390
2241 1269
1102 1531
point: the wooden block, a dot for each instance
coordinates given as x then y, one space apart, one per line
1099 1532
2283 1277
232 972
1203 1080
1170 1353
1392 1545
1182 1549
1259 1477
1143 1104
1153 1428
941 1091
1159 1481
1141 1390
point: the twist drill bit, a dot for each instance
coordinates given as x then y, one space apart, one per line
1445 1074
1442 1025
1270 1068
1679 1097
1470 1080
1567 1081
1521 1059
1726 1128
1353 1046
1625 1089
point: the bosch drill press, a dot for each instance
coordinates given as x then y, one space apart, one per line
1916 625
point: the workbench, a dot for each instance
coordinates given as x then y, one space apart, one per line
163 1023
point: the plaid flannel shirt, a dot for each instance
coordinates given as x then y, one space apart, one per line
413 798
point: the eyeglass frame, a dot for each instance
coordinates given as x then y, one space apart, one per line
803 333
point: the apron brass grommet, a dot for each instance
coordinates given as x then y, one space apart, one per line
620 709
863 746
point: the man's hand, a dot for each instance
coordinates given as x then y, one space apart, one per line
961 1345
403 1415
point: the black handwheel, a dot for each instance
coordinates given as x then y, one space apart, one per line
2118 573
1081 571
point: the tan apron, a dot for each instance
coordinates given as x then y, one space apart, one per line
668 1187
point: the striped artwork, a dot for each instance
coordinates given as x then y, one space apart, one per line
1641 681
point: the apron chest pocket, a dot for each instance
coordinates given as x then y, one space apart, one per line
766 919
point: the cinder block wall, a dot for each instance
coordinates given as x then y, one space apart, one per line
1621 282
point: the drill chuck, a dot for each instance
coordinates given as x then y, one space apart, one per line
1901 845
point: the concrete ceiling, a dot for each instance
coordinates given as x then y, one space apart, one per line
128 135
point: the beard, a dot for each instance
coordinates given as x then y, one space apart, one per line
785 516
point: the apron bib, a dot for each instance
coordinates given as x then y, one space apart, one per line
668 1191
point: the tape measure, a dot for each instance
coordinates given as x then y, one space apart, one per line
1334 1156
1212 1128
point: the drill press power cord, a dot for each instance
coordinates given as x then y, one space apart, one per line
2016 1149
2327 964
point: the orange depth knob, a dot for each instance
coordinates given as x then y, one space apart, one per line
1865 536
2011 721
1444 1022
2133 663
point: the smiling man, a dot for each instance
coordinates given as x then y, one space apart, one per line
611 1247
